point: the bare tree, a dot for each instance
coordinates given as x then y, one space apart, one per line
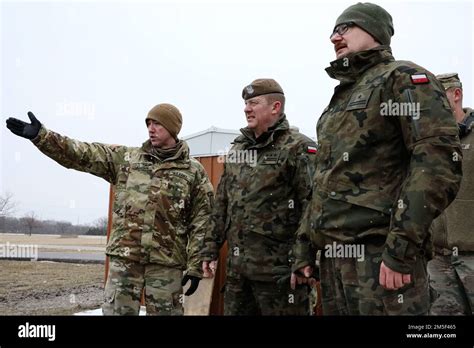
7 205
99 227
31 221
101 223
63 226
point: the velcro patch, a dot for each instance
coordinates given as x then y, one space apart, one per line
311 149
271 158
418 79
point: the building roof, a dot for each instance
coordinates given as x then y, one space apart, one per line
211 142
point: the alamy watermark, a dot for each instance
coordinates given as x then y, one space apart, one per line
19 251
237 156
37 331
392 108
336 250
76 109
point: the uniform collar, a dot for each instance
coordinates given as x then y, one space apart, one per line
467 124
181 154
349 68
267 137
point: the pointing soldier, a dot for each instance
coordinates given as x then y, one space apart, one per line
259 206
382 177
452 268
161 209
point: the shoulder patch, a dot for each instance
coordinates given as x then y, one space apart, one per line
311 149
418 79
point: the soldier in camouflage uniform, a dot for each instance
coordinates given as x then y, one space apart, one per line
452 268
389 162
262 193
161 210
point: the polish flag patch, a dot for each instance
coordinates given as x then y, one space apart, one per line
311 149
419 79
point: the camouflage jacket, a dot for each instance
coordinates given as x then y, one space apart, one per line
259 203
389 158
161 209
454 228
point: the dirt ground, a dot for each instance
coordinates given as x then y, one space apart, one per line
49 288
59 288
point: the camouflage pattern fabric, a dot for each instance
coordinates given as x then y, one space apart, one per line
259 205
351 287
452 269
464 266
258 208
375 170
161 208
339 285
453 229
389 162
252 297
127 279
454 298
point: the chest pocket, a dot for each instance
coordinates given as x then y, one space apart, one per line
137 188
139 177
171 192
359 99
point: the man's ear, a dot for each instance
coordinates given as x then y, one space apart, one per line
276 107
457 94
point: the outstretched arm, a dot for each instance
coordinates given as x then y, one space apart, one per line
97 159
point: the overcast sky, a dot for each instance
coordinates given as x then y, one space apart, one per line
92 70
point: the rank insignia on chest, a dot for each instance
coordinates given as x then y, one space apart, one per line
359 100
419 79
271 158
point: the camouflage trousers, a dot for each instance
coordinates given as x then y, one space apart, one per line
127 280
453 279
350 286
251 297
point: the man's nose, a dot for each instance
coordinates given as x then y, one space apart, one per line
336 38
247 108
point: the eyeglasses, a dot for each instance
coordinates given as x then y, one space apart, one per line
341 29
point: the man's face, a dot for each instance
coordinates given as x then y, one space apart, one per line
159 135
353 40
260 114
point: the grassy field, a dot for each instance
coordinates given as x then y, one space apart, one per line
49 288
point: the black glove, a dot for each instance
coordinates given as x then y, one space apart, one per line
194 283
23 129
281 275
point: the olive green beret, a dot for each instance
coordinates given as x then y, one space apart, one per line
449 80
261 87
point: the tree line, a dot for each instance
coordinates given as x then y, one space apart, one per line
30 223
